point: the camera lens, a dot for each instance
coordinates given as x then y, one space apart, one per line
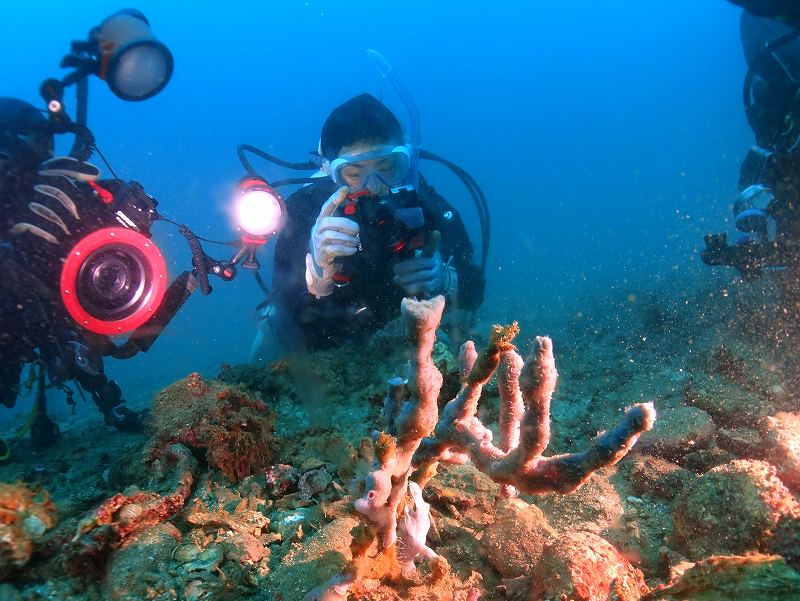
390 232
113 282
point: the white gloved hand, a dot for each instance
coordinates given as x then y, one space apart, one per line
424 276
331 237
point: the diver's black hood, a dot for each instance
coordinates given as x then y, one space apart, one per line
25 136
360 119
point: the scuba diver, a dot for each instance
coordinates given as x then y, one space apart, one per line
341 267
79 266
365 231
47 206
767 209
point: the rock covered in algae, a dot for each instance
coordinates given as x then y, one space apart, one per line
731 509
140 568
582 566
323 554
678 431
514 541
595 507
781 434
234 428
785 540
728 403
722 578
657 477
25 516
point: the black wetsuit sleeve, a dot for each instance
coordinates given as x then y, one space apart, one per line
455 243
783 11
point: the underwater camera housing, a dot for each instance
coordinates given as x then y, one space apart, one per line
392 226
748 257
114 279
765 177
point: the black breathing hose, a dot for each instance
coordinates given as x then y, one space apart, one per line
242 148
83 146
477 196
198 259
469 182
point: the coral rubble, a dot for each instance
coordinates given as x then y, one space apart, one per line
25 516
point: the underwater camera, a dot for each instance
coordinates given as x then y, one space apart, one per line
748 257
114 278
392 226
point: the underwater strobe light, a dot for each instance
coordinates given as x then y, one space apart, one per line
134 63
113 280
259 210
260 213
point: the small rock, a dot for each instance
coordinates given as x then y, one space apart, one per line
782 441
313 482
657 477
513 543
745 443
703 460
678 431
581 565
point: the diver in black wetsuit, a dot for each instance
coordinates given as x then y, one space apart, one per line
342 265
48 205
58 280
767 210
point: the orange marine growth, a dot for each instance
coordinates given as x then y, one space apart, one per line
25 515
234 428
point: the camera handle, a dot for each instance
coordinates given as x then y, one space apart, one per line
179 291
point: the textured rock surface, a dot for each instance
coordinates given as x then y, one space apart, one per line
755 577
728 403
678 431
782 441
140 569
785 539
581 566
730 510
658 477
595 507
745 443
514 541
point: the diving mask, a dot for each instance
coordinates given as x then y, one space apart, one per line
377 170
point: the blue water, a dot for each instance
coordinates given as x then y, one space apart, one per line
607 136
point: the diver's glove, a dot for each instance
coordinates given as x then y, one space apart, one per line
125 420
426 276
331 237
